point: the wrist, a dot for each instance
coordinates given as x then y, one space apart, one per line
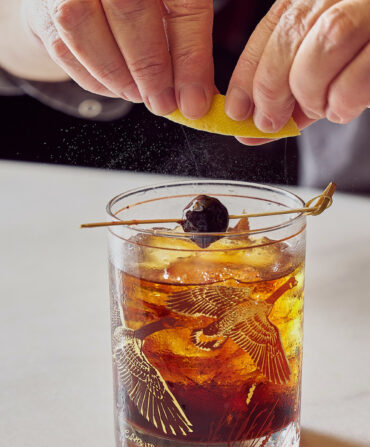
21 52
27 28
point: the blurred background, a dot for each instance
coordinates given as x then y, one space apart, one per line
141 141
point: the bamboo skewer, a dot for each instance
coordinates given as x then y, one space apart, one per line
130 222
324 201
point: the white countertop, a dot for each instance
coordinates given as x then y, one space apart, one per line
55 367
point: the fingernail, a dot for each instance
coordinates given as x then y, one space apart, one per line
255 141
333 117
193 101
238 105
311 115
263 123
163 103
132 94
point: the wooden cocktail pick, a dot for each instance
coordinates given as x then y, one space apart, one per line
323 202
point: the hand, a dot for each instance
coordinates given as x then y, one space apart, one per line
140 50
306 58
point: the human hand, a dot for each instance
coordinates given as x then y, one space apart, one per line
306 58
140 50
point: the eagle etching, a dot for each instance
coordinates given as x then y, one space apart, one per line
240 318
143 383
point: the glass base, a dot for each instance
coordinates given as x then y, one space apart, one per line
127 436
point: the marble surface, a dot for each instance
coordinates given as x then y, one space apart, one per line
55 368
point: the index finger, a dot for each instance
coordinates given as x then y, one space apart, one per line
239 97
189 28
137 26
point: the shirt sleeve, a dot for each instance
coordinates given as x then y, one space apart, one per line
7 86
66 97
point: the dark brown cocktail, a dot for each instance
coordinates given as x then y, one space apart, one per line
207 342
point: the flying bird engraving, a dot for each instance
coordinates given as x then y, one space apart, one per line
115 312
143 382
240 318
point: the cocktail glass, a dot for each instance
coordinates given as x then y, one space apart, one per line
207 342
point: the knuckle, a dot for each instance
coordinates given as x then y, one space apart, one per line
189 8
69 14
109 71
127 9
280 7
128 85
273 17
147 68
337 26
277 100
248 61
59 50
263 91
292 27
190 57
270 22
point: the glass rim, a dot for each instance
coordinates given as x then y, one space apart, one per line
188 235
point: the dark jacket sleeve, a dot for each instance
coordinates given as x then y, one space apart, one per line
7 85
67 97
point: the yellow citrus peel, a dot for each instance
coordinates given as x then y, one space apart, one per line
216 121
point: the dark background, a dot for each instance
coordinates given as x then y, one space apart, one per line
143 142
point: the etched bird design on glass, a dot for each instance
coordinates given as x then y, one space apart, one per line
144 384
240 318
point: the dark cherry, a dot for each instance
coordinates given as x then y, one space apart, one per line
205 214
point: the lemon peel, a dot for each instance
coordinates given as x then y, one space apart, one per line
216 121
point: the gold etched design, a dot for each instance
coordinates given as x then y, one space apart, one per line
261 339
145 386
115 312
250 394
240 318
207 300
135 439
